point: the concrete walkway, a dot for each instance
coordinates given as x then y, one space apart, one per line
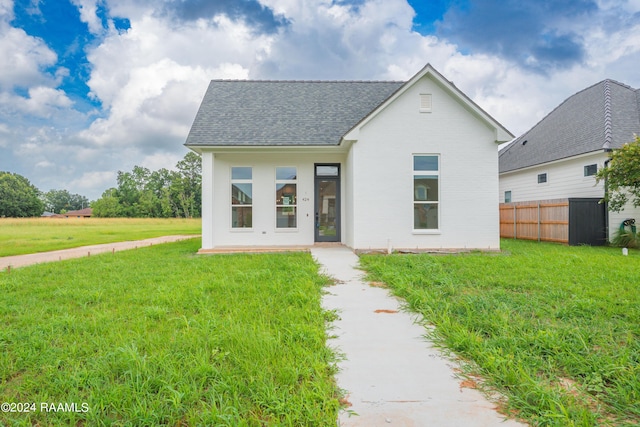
391 374
83 251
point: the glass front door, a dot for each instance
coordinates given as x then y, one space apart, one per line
327 203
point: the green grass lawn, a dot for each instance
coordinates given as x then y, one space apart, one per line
555 329
160 336
30 235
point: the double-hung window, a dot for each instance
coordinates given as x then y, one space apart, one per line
286 197
241 197
426 192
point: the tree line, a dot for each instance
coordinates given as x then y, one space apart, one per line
140 193
164 193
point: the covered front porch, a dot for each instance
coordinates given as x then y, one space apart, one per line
274 200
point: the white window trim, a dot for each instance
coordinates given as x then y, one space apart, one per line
275 210
413 200
240 181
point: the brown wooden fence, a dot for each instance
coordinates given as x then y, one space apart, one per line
544 220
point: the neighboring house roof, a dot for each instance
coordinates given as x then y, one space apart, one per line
283 113
600 117
81 212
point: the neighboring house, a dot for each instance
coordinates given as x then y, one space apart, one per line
559 156
373 165
82 213
51 215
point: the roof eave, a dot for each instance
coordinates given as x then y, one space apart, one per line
340 147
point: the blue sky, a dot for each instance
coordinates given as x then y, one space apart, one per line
90 87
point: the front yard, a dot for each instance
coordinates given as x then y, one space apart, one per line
159 336
556 329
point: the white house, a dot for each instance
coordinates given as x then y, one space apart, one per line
372 165
559 156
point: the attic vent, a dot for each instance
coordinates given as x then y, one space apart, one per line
425 102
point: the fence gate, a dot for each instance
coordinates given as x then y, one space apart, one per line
587 224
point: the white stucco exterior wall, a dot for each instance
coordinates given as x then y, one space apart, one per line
207 199
382 167
350 224
217 218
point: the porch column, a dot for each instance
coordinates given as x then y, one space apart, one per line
207 199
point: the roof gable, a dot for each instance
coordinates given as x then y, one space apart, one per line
283 113
501 133
602 116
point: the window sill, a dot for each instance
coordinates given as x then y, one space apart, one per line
427 232
241 230
286 230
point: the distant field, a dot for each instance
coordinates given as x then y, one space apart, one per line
31 235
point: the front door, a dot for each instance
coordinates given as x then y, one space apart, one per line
327 203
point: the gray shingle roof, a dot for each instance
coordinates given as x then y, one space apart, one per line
263 113
605 115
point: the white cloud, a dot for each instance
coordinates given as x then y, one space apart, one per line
89 181
151 78
45 164
6 10
23 59
4 135
629 6
43 101
88 14
325 40
161 160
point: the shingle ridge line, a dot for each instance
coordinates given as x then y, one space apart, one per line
620 84
306 81
608 136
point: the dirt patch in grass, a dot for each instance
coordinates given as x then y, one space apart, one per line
378 285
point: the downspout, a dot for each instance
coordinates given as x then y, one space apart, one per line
606 197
